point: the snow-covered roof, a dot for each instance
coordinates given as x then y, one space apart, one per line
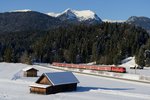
28 68
39 85
59 78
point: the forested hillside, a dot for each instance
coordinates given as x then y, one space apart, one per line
107 43
26 21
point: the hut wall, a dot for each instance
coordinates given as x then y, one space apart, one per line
44 80
62 88
54 89
30 73
38 90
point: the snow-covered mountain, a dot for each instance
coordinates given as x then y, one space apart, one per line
25 20
143 22
85 16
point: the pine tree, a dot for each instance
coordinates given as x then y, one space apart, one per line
8 55
94 52
25 58
147 62
67 55
140 59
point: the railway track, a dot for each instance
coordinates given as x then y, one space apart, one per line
95 73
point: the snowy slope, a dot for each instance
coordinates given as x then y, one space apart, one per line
53 14
24 10
130 62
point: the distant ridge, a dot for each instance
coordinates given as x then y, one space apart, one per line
25 20
142 21
28 20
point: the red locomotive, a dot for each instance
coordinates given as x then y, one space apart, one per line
92 67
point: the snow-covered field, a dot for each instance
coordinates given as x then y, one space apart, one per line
130 62
13 86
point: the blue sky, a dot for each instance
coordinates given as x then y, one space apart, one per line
105 9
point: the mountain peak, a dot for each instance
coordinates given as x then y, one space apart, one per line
68 13
76 15
68 10
141 21
81 15
137 18
132 18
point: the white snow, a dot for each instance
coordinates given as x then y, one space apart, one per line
89 88
39 85
130 62
91 63
85 14
81 15
113 21
67 78
27 68
53 14
24 10
124 76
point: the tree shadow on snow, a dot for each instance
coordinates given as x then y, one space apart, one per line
85 89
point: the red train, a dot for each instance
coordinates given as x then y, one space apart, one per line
92 67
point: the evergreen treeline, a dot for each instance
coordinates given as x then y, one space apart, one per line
107 43
143 56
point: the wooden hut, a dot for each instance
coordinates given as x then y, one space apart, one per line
49 83
30 72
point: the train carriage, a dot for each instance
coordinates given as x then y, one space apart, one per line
118 69
92 67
